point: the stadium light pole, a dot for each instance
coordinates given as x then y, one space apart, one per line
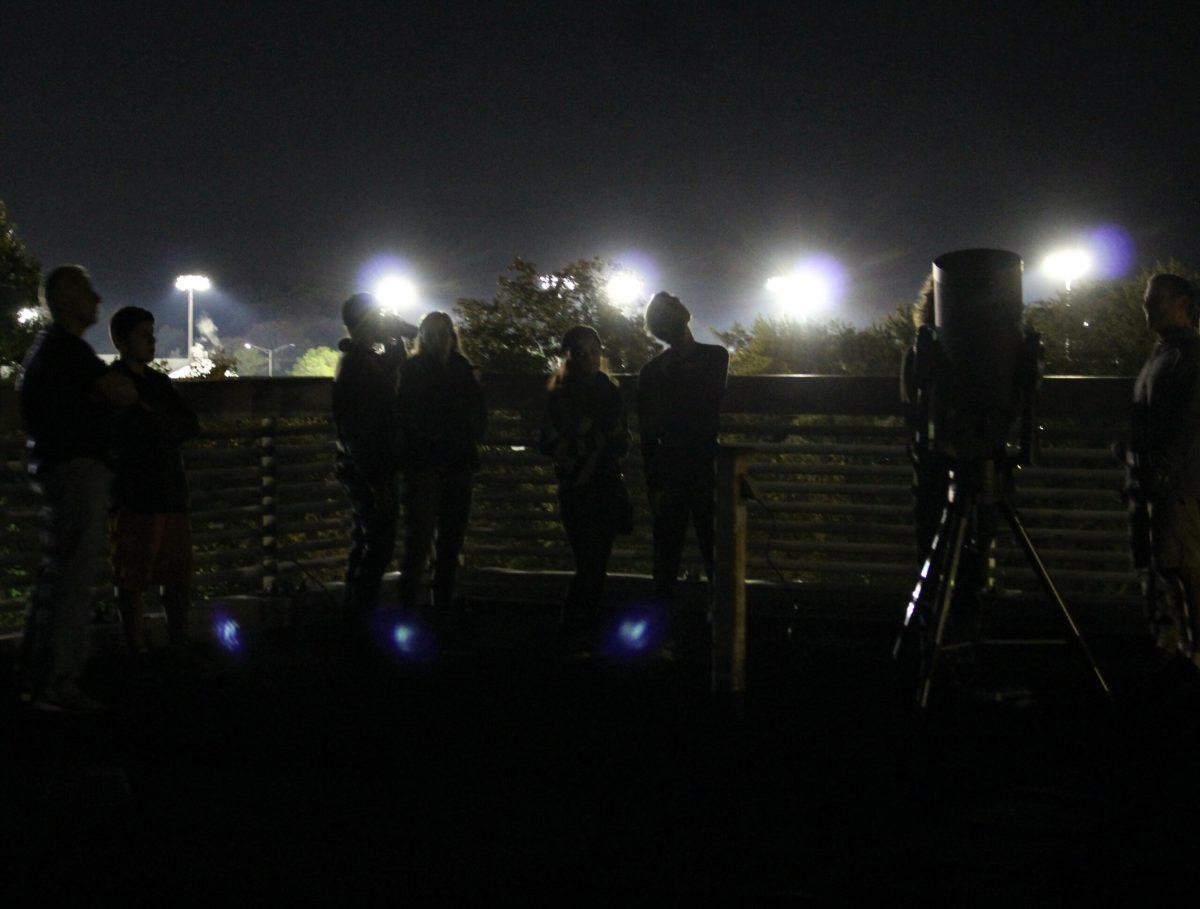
191 283
270 352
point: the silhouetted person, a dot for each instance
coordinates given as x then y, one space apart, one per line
67 395
585 431
1165 445
442 415
931 469
151 532
679 405
365 411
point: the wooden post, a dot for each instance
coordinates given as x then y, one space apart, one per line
267 474
729 589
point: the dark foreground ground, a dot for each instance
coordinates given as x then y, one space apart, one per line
310 771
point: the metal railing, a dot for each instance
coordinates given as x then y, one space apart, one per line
827 455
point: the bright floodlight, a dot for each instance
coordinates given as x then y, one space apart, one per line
624 288
802 292
396 293
192 282
28 314
1068 265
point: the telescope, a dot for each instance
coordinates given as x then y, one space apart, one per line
974 381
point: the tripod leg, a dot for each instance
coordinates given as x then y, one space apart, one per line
1039 569
925 594
961 519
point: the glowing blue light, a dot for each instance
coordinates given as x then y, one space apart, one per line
404 637
633 632
229 634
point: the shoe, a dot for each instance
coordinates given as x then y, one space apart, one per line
66 698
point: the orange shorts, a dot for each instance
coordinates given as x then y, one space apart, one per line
150 549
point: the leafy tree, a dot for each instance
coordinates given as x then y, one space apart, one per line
772 346
316 361
20 275
519 329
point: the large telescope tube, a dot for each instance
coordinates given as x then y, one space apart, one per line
978 314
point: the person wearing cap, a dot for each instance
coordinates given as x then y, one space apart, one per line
679 405
368 445
585 431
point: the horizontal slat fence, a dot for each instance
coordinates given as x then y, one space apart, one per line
826 455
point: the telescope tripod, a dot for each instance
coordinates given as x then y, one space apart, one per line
959 565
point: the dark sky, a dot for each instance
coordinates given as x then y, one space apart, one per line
708 145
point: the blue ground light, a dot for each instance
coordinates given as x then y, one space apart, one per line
636 631
228 633
404 636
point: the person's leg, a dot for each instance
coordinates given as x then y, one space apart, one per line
133 547
454 513
420 521
77 514
176 602
131 604
360 502
703 509
373 544
173 570
670 530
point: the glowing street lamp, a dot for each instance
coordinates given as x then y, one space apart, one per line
624 288
270 352
396 293
192 284
1068 265
28 315
802 292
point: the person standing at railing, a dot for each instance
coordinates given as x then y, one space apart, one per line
931 468
151 532
586 433
367 422
442 418
67 398
679 416
1164 455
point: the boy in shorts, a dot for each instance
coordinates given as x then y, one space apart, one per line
151 534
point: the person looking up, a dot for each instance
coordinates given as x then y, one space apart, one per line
679 406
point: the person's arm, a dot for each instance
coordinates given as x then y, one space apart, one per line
615 424
114 389
552 440
478 403
179 421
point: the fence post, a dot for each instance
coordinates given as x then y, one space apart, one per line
729 589
267 474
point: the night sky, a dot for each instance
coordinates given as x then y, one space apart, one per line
708 146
